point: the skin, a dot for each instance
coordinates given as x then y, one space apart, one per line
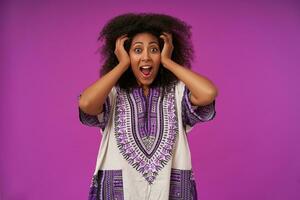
144 50
203 91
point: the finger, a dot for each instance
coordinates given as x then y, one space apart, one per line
123 38
165 38
117 42
122 41
166 33
119 38
169 36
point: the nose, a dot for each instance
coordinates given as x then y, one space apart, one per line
145 56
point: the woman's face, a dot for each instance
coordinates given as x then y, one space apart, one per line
144 56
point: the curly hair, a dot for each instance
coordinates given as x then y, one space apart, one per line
134 23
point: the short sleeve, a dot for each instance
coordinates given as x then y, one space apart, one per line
99 120
193 114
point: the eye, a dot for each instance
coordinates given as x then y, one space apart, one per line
137 50
155 49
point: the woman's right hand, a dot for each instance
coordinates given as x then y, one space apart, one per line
120 51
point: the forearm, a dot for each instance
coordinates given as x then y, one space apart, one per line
93 97
203 91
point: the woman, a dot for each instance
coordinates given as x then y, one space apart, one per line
145 102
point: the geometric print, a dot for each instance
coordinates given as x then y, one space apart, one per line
194 114
182 185
107 185
145 132
146 128
93 120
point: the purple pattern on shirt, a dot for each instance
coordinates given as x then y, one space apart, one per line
194 114
182 185
107 185
146 131
93 120
146 128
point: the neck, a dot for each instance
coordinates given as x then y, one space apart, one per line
145 90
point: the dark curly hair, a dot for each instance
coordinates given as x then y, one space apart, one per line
134 23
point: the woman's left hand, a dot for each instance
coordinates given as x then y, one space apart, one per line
167 50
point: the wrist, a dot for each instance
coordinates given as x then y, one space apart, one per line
165 62
124 65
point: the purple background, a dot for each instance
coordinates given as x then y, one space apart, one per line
250 50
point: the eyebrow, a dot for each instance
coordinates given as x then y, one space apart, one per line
153 42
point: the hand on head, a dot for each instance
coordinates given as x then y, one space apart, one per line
167 50
120 51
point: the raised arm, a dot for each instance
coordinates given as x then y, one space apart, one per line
93 97
203 91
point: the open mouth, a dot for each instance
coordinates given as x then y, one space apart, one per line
146 70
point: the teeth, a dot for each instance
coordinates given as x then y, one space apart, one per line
146 67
